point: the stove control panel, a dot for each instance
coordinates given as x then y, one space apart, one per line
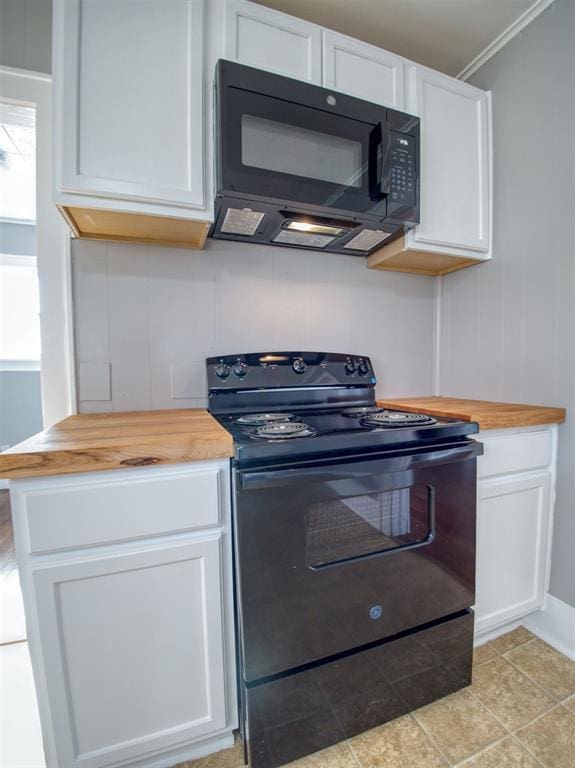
271 370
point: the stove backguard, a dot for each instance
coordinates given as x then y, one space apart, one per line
289 380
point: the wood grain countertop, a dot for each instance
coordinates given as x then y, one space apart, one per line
93 442
488 414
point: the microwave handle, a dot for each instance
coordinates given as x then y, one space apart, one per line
379 184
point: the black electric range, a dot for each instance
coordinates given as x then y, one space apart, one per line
354 548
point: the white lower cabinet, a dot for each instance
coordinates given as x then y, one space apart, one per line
132 642
514 518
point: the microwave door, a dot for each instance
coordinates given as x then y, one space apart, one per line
295 154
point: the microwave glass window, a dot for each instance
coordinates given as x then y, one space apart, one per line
284 148
341 529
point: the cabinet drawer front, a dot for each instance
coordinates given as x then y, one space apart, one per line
81 514
514 453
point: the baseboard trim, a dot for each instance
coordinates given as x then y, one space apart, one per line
181 754
486 635
554 623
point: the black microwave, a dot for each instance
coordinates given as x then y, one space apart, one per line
306 167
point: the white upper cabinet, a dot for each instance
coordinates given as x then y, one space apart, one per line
133 86
129 107
362 70
266 39
455 164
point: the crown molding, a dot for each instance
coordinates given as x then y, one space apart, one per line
508 34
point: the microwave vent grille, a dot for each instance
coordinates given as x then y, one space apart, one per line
367 239
241 221
307 239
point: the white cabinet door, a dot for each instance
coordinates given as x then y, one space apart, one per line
455 164
132 649
266 39
130 100
362 70
512 540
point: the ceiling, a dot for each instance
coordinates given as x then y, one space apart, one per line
443 34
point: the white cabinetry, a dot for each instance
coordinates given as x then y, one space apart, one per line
130 626
133 121
130 118
266 39
455 164
514 518
362 70
455 178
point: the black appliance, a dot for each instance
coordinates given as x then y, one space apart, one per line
354 541
307 167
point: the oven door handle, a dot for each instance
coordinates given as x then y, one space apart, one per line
398 461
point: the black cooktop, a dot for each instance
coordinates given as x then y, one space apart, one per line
316 432
291 406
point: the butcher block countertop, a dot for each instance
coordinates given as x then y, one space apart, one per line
93 442
488 414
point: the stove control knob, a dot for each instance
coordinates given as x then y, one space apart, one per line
350 366
299 365
222 370
362 368
240 369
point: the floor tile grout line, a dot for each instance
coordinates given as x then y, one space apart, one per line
467 760
539 685
514 730
513 647
529 752
441 752
429 738
539 717
355 758
511 734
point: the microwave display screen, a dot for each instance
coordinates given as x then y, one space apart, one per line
284 148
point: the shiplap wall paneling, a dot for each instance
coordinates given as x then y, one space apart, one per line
152 315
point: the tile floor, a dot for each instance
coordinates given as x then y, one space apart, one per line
518 713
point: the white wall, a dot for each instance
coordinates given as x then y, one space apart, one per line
20 406
147 317
508 330
26 34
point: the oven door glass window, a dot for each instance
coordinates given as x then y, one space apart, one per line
343 529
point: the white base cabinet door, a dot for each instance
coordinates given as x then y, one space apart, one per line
362 70
132 649
129 106
512 522
455 165
515 497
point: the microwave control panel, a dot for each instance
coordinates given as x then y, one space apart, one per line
403 169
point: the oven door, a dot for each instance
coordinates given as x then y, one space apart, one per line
299 145
333 556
